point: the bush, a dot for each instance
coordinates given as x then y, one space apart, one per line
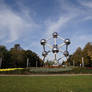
79 70
49 70
65 70
12 71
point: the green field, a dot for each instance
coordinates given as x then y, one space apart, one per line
46 83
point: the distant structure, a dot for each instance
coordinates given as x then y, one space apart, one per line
55 48
17 46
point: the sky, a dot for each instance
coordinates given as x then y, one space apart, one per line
26 22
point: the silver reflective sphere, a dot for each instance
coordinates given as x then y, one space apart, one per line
67 41
55 35
66 53
44 53
55 49
43 42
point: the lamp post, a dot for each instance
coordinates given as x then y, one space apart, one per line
27 62
0 62
82 62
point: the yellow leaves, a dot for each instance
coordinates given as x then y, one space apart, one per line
11 69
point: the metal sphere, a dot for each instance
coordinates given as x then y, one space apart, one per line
55 49
44 53
66 53
43 42
67 41
55 35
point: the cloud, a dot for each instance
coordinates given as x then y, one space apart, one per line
55 26
18 23
86 6
86 3
71 15
79 40
68 14
14 24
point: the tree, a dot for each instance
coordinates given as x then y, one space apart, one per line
87 54
70 59
4 56
17 57
33 58
77 56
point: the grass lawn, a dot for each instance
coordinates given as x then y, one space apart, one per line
46 83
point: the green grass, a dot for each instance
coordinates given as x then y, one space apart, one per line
46 83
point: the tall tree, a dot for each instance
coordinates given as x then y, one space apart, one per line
17 57
4 56
87 54
77 56
34 60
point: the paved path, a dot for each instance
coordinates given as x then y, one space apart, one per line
49 75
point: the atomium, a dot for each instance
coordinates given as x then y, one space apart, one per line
67 41
44 53
55 48
55 35
43 42
66 53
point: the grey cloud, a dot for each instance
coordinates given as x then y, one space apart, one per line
14 24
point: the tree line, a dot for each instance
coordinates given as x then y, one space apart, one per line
17 57
85 54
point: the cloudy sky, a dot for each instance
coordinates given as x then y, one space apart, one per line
26 22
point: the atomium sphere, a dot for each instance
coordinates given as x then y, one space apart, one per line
44 53
67 41
43 42
55 35
66 53
55 49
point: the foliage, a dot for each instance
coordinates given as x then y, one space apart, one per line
86 53
33 58
32 70
79 70
50 70
17 57
77 56
10 69
13 71
49 62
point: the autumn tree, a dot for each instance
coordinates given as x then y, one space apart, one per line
87 54
76 57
